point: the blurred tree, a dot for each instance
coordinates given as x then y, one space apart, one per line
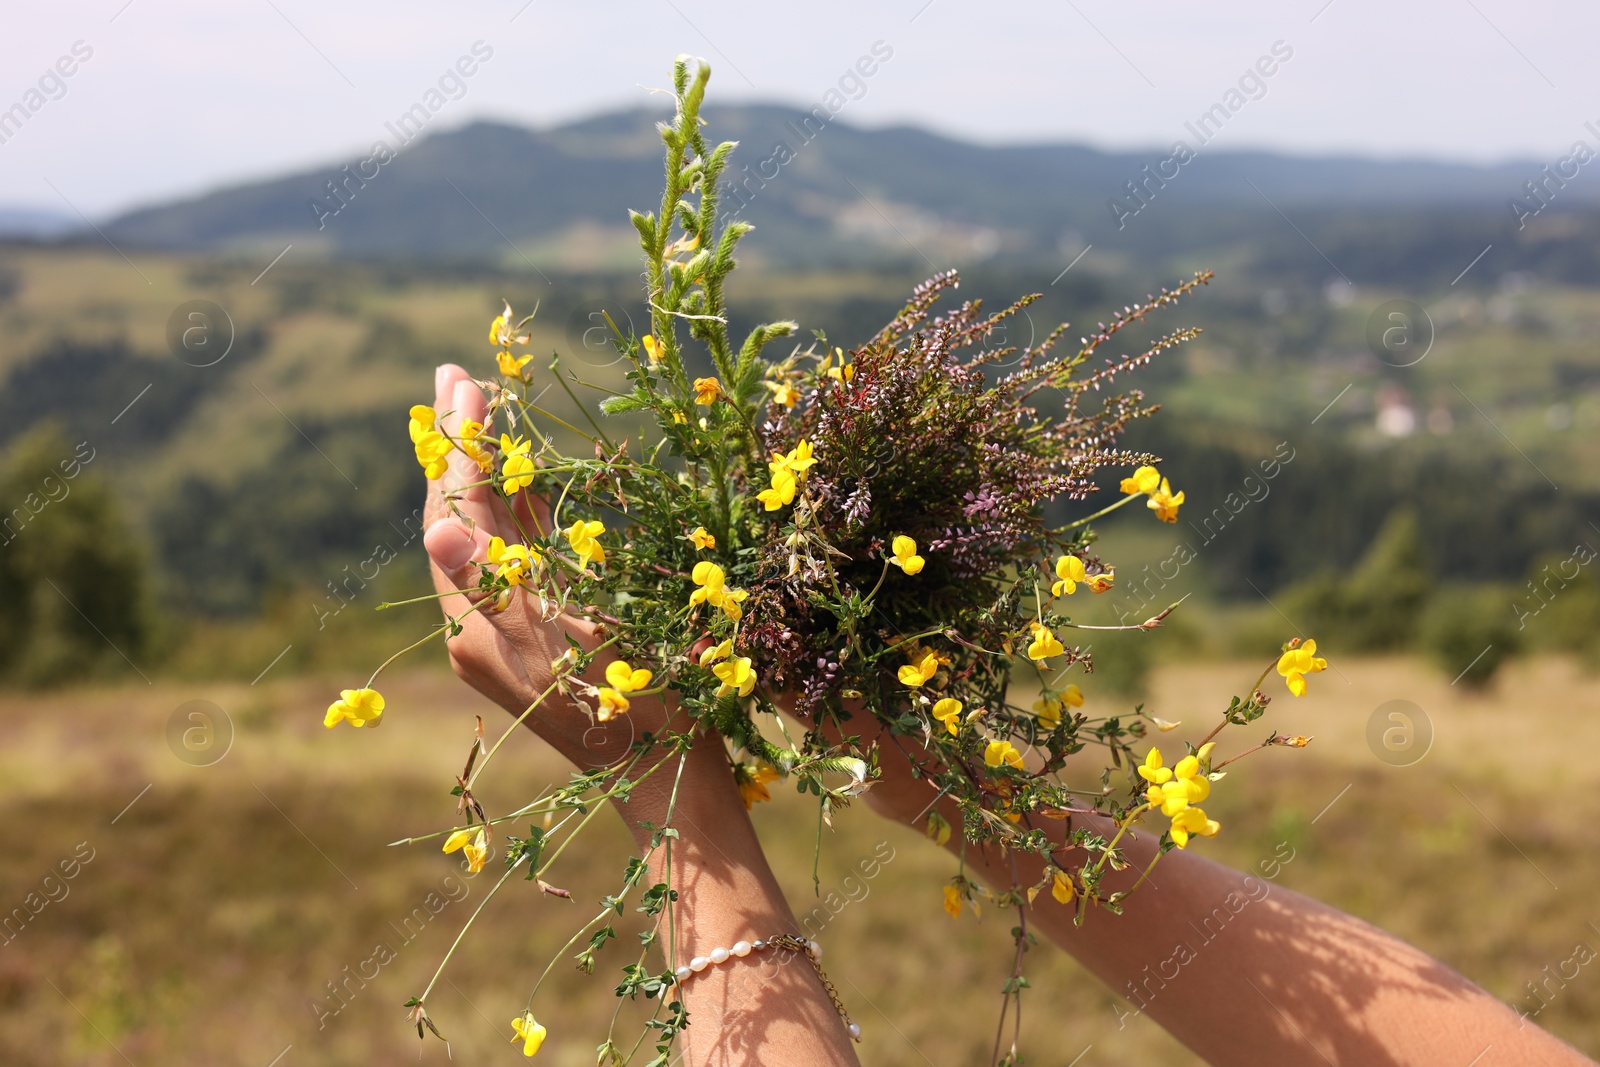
1121 664
1469 633
72 582
1559 607
1375 605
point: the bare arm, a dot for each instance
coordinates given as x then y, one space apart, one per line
741 1011
1245 972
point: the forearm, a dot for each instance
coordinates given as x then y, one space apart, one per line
1245 972
745 1010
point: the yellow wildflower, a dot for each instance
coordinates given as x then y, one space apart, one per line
359 707
432 447
752 780
1164 503
1044 643
679 417
905 555
626 679
843 372
1061 887
716 652
1144 480
612 704
702 539
1069 572
471 435
784 484
706 391
952 901
736 676
1192 821
502 333
713 590
1174 790
1298 662
513 561
433 452
1297 741
529 1032
711 580
422 419
511 366
732 603
1099 583
799 460
916 674
475 844
1049 706
651 350
784 393
999 752
788 471
948 711
582 536
1153 770
517 467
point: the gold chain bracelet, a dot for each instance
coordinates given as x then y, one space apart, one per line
789 943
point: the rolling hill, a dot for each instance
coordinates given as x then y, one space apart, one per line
829 192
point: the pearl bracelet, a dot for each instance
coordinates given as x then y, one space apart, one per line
788 942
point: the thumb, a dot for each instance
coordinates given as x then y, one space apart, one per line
451 546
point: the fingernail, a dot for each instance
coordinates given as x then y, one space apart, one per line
467 396
439 374
449 544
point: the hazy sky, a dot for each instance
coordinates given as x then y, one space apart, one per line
179 96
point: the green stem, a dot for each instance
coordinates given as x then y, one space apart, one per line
1102 512
1148 868
456 943
454 621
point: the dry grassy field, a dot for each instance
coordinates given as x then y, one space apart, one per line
210 907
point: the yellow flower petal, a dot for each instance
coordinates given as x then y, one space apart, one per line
1061 887
948 711
529 1032
1144 480
952 901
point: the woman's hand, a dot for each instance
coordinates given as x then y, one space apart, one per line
727 890
507 655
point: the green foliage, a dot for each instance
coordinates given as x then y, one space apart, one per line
73 598
1468 632
1559 607
1374 606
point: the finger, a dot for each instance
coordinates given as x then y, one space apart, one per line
462 476
445 377
458 394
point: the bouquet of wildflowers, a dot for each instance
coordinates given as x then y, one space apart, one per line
836 537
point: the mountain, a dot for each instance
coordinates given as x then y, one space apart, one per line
33 223
824 191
